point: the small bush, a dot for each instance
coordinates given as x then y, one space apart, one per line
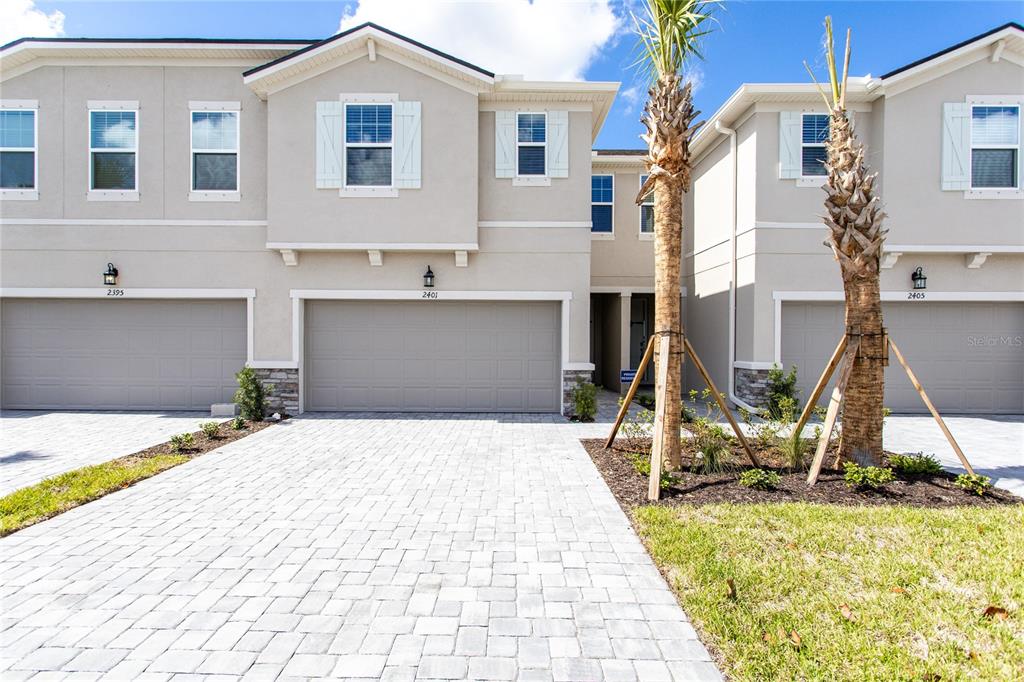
974 483
584 401
794 450
251 396
781 386
645 400
915 464
238 423
712 445
642 463
760 479
181 442
210 429
637 429
867 478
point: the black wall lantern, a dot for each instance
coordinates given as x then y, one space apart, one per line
428 278
110 276
920 281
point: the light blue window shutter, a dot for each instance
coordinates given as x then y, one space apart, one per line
328 144
956 146
408 145
504 144
789 144
558 144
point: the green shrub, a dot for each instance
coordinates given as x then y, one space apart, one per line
210 429
181 442
713 447
238 423
251 396
867 478
760 479
637 429
974 483
645 400
584 401
781 386
642 463
915 464
793 449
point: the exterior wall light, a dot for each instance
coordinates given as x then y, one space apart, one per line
110 276
428 278
920 281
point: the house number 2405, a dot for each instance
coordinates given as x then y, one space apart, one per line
429 294
115 292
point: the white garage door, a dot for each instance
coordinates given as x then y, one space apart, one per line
423 356
968 356
121 354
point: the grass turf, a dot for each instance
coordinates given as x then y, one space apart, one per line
848 593
55 495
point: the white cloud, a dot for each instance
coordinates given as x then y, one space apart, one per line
631 96
542 39
20 19
694 74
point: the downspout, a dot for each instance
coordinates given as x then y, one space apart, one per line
732 267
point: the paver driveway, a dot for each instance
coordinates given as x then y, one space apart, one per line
36 445
473 547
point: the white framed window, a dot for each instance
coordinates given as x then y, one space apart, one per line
813 135
602 204
646 212
113 153
19 157
995 147
531 144
214 131
369 145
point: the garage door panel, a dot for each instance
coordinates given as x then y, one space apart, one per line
963 353
125 354
434 355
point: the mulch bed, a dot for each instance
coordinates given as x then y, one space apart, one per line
203 444
630 487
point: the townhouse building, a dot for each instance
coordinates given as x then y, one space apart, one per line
372 224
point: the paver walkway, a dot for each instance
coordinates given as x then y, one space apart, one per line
37 445
411 547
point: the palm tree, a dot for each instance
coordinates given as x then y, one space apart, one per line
669 32
854 217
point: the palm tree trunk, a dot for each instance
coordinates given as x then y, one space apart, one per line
668 220
862 408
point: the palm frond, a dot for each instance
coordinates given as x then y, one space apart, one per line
837 83
669 34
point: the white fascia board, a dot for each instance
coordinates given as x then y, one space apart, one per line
617 159
324 246
982 44
127 292
954 248
417 294
902 296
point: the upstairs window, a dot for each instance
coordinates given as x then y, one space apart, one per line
814 133
113 147
602 200
17 149
531 144
215 151
646 210
369 151
995 146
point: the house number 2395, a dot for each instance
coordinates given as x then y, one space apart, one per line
115 292
429 294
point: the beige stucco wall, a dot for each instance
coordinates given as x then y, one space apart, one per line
627 259
163 94
444 209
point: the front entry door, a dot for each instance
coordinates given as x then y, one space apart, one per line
639 331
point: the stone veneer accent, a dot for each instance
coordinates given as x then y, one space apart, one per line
569 379
752 386
283 393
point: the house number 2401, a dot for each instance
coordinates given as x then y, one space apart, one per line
115 292
429 294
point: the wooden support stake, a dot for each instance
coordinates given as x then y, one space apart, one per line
721 402
833 412
931 407
624 408
812 400
660 405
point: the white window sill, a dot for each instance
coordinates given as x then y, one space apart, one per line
215 196
112 195
602 236
368 192
19 194
994 194
531 181
646 236
814 181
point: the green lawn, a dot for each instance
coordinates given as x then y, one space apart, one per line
60 493
872 593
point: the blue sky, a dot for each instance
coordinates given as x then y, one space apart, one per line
754 40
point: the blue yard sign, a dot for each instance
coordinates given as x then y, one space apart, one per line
626 376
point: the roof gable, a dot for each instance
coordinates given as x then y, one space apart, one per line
365 39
